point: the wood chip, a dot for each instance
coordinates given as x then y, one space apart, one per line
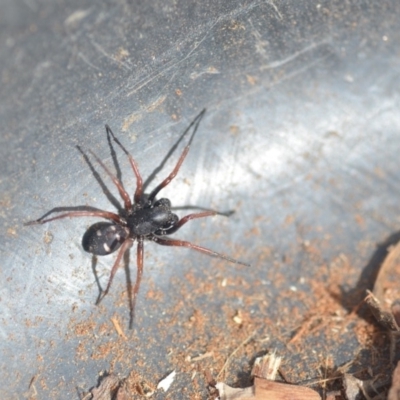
118 328
394 392
267 366
109 388
265 389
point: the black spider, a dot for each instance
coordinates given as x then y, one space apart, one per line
146 218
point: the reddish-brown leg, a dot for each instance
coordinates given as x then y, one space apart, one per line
187 218
101 214
172 175
117 183
125 246
182 243
139 274
139 180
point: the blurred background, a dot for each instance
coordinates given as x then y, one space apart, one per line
300 139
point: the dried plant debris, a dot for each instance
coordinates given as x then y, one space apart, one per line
384 301
134 386
228 393
266 367
264 370
351 386
371 389
165 383
384 317
264 389
359 378
110 388
386 287
394 392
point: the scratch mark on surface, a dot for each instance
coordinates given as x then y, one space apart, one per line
156 103
260 44
210 26
84 59
281 79
271 2
110 57
39 73
174 64
296 54
76 17
136 116
209 71
300 70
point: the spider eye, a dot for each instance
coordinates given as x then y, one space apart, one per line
103 238
165 203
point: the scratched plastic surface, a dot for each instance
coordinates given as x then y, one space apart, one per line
301 138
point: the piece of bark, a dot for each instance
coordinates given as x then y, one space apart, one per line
109 388
267 366
384 301
264 389
352 386
383 316
386 288
385 297
394 392
229 393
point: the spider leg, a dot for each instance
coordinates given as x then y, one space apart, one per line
174 172
99 213
190 207
125 246
117 183
187 218
182 243
139 180
139 273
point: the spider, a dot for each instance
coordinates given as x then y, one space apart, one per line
144 218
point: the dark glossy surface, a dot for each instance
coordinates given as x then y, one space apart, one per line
301 139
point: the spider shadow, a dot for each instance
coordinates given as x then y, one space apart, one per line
126 262
194 124
111 198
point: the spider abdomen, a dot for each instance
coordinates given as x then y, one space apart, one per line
146 221
104 238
